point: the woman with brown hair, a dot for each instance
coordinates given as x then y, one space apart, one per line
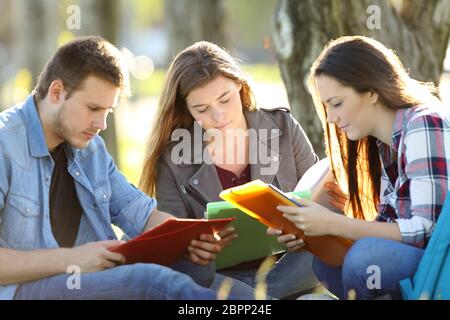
207 100
388 139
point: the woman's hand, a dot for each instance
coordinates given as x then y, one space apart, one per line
311 218
226 235
202 251
338 198
289 240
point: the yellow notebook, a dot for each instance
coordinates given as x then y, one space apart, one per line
260 201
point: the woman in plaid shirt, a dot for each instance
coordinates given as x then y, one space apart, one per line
387 137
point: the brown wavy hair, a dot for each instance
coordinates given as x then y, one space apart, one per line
192 68
365 65
79 59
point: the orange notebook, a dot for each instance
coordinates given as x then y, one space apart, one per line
260 201
167 243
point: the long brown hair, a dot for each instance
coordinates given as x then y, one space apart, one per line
365 65
194 67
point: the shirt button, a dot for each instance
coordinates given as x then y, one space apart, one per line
77 173
28 210
233 180
195 181
275 158
104 196
111 238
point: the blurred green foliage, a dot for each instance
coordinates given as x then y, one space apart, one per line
148 87
250 20
151 87
146 12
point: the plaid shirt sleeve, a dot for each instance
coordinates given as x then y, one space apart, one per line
426 162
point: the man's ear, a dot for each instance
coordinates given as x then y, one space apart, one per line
56 91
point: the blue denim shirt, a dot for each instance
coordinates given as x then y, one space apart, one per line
25 174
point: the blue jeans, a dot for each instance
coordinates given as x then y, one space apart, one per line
373 268
291 274
137 281
203 275
206 276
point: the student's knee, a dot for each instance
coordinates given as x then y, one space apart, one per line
154 273
149 274
152 281
202 275
356 267
140 274
362 254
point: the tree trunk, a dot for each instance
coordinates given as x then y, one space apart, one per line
100 17
31 50
418 30
189 21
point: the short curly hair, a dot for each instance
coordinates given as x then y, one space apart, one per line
79 59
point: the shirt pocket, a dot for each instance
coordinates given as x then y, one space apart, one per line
20 222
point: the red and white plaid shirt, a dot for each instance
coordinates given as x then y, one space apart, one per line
416 171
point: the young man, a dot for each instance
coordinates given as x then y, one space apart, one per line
60 191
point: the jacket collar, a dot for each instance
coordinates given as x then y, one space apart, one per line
33 126
35 131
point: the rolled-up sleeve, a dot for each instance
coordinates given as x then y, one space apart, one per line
427 163
130 208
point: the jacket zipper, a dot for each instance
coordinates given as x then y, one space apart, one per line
194 194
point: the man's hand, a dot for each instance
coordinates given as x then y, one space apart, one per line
202 251
95 256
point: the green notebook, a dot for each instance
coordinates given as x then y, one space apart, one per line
252 242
